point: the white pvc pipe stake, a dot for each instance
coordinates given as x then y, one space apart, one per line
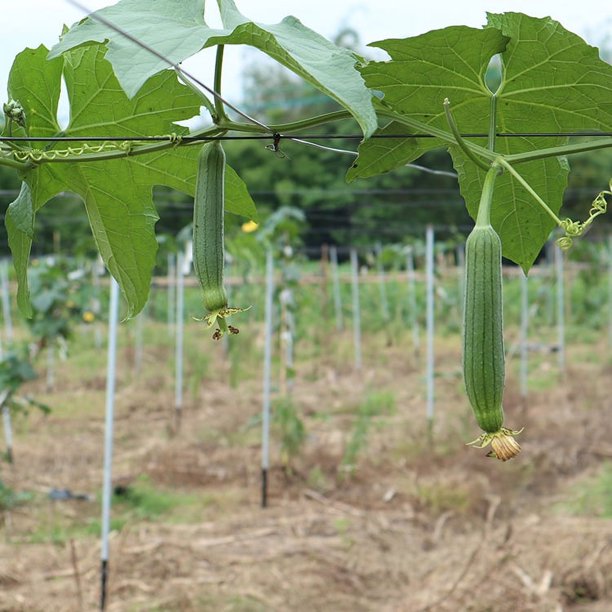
267 374
429 265
333 256
560 308
139 341
95 304
288 332
382 283
356 309
461 276
227 270
524 363
171 287
550 301
8 335
610 292
412 301
178 361
8 432
50 367
108 435
6 303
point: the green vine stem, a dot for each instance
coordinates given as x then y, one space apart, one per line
426 128
293 126
418 126
205 101
11 163
508 166
492 123
460 141
581 147
102 152
483 216
220 114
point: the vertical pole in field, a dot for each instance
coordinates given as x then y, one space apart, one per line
139 348
8 428
560 308
227 270
461 277
550 266
50 367
321 333
171 291
227 273
610 292
356 309
4 319
523 368
412 301
6 303
178 355
382 283
333 256
108 437
267 374
429 272
8 336
287 333
96 306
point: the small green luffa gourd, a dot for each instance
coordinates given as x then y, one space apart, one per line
208 243
483 339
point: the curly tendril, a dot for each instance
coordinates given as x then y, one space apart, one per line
574 229
125 146
37 155
174 138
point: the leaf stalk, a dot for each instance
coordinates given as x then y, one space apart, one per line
459 139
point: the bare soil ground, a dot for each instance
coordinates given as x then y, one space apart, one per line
422 524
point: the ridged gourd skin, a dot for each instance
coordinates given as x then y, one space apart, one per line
483 340
208 209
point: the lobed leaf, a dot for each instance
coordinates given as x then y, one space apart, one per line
329 68
20 242
552 81
423 71
117 193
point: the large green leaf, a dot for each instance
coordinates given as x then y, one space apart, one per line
423 71
552 81
329 68
117 193
517 217
20 242
182 24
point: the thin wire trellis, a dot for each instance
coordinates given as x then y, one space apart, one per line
173 137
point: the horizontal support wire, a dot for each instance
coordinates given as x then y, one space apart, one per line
180 138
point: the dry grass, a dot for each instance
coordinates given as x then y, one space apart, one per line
416 527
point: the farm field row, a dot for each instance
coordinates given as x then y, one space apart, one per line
365 509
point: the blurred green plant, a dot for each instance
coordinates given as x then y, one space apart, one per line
292 430
10 499
61 295
376 403
16 370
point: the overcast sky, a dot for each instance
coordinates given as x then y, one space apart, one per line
28 23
